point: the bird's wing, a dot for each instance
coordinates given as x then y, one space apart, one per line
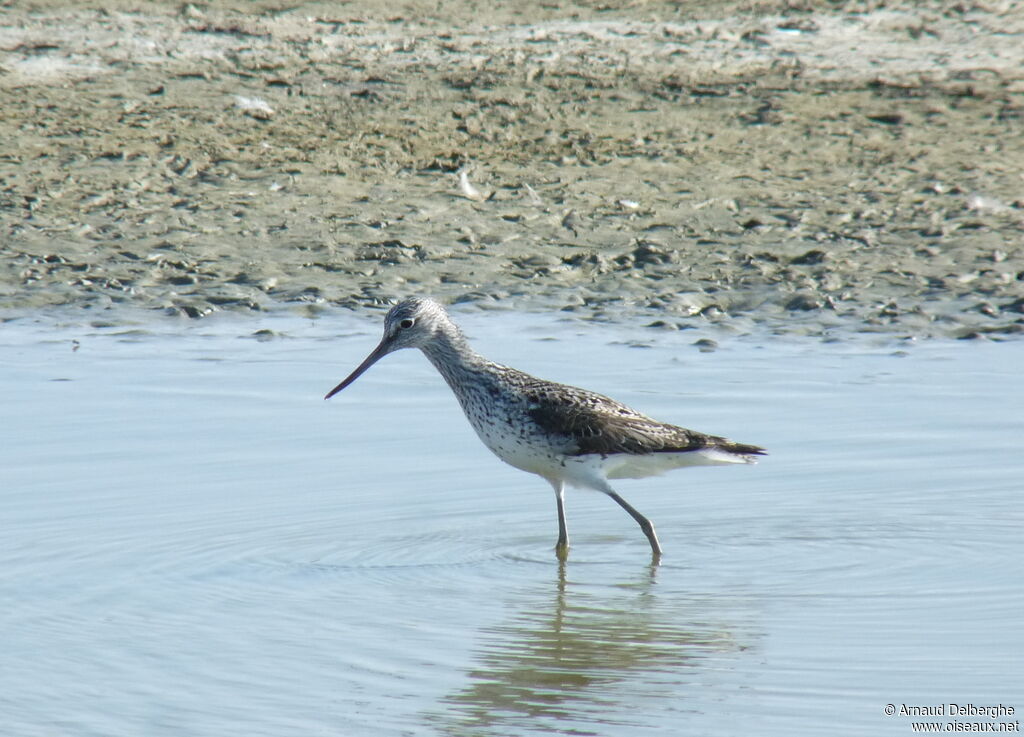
592 423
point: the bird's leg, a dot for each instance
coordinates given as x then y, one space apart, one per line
562 546
645 524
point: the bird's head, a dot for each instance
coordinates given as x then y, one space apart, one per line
412 323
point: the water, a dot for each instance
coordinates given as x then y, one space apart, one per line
192 542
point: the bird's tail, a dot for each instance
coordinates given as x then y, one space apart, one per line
745 453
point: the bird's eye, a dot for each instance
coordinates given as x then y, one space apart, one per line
407 323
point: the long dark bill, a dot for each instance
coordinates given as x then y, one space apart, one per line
378 353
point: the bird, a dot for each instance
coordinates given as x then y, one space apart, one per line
566 435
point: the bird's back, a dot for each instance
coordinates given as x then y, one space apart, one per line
516 414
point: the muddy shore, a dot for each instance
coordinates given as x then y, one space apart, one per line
802 167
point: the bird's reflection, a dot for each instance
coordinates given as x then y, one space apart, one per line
579 654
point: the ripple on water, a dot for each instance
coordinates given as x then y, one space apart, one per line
208 561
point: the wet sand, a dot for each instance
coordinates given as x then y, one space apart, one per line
837 169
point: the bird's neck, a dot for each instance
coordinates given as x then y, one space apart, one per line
453 357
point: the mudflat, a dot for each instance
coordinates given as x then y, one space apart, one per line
806 167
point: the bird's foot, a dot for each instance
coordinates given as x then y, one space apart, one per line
562 550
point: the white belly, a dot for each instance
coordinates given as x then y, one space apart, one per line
523 452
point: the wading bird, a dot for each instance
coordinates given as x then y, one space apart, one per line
563 434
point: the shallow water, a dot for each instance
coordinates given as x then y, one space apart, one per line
194 542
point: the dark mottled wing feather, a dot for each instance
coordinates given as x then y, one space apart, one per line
592 423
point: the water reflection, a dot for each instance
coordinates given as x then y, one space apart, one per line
582 655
